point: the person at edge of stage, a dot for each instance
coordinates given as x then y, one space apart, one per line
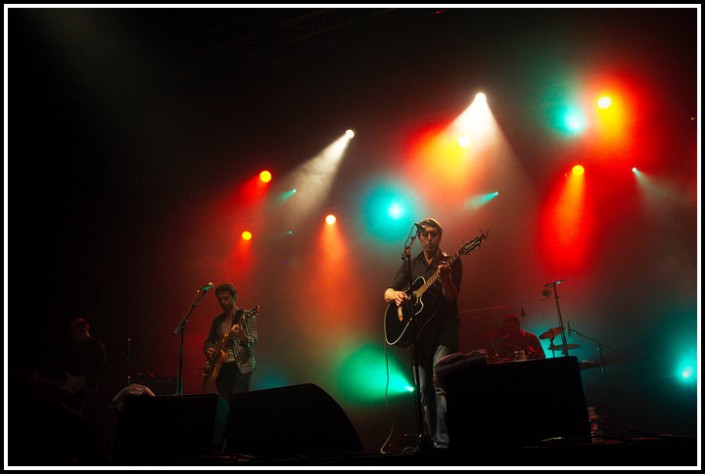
72 372
439 336
237 359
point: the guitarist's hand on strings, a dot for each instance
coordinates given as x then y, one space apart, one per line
400 297
444 273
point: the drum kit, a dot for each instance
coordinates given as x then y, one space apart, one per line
520 354
552 333
517 353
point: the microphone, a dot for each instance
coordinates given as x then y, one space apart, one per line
569 329
206 287
420 228
554 283
127 350
522 313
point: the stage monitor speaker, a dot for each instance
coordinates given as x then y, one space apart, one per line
516 403
295 420
169 428
52 434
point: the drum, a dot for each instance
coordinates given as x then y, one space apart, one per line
518 356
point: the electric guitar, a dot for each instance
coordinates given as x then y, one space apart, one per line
397 319
220 354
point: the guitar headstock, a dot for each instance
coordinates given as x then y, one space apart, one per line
251 312
472 244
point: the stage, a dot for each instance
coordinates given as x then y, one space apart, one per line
302 425
639 451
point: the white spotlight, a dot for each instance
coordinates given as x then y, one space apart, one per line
349 133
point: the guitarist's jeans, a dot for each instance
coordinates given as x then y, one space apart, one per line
433 399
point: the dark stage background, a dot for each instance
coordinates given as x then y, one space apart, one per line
133 131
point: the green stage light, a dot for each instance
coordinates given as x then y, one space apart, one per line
388 211
363 376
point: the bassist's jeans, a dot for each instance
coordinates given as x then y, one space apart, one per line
433 400
231 381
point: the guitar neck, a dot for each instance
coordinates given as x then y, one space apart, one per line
244 314
420 291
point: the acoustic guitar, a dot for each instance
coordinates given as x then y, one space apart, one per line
397 319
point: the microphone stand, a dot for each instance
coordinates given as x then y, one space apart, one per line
599 349
180 329
406 256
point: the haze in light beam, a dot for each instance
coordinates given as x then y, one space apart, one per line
313 179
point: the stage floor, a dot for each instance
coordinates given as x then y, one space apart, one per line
664 452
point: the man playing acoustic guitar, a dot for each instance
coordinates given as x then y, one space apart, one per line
435 331
230 345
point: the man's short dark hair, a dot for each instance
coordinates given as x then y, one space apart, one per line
229 287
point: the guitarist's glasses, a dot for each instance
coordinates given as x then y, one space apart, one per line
429 234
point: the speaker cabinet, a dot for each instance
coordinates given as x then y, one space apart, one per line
52 434
516 403
169 428
296 420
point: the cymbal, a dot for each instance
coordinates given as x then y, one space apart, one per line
551 333
560 347
493 333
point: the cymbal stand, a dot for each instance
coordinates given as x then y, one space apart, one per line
560 318
551 346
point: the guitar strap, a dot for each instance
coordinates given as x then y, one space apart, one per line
236 319
434 294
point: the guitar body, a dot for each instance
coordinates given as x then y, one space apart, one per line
397 320
213 366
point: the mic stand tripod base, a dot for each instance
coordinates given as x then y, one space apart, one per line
423 443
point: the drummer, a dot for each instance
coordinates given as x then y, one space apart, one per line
517 344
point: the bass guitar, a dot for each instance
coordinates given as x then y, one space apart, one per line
71 384
220 354
397 319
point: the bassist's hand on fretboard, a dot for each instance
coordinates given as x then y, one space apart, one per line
239 333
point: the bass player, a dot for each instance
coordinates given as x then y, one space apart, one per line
230 345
